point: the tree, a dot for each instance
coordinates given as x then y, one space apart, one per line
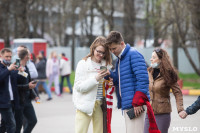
106 11
182 23
129 21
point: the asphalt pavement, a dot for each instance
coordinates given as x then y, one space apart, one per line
58 116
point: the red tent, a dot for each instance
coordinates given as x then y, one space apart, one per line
1 44
33 44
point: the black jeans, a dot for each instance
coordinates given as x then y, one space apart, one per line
68 83
28 112
8 121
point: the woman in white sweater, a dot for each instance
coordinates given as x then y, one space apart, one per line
88 90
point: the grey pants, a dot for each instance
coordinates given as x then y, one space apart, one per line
162 120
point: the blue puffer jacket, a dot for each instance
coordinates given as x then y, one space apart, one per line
133 77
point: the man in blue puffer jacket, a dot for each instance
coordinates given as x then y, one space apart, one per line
130 76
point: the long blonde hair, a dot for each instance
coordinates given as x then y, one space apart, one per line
100 41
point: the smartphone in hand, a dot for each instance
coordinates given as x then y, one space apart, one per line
34 81
17 63
103 68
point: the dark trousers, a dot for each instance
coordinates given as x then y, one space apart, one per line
28 112
8 121
68 83
163 122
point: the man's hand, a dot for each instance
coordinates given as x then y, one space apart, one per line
12 67
37 99
183 114
21 69
111 81
32 85
138 110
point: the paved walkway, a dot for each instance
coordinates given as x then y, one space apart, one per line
57 116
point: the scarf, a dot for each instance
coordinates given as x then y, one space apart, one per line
140 99
108 93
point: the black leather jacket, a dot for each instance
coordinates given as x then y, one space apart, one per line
25 94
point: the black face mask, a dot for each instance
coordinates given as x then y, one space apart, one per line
7 63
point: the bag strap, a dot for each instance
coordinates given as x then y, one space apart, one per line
104 89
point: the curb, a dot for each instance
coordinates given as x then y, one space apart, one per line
190 91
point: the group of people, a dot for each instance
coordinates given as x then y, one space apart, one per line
52 69
20 78
144 90
16 94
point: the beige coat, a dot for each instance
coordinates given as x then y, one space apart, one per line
160 95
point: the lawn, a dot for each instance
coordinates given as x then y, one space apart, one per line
190 80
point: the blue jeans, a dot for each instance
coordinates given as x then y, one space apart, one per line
8 124
44 84
28 112
68 83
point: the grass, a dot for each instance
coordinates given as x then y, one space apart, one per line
190 80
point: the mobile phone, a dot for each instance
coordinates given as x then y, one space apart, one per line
17 63
131 113
34 81
103 68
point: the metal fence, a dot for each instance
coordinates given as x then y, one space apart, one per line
183 63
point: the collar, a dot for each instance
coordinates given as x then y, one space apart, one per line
119 56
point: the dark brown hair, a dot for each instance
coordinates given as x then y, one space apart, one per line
5 50
100 41
114 37
23 53
167 70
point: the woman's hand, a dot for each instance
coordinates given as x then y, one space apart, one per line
101 74
183 114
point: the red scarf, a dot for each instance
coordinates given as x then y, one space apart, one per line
109 100
141 99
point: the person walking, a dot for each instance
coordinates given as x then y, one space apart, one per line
88 87
8 92
26 94
52 72
41 68
65 71
162 78
130 76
